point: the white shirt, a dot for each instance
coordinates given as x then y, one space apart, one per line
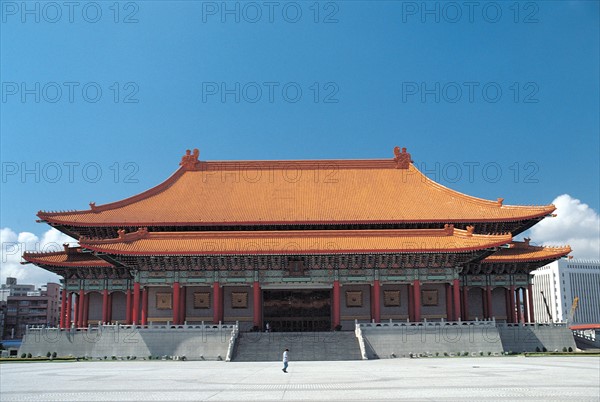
285 356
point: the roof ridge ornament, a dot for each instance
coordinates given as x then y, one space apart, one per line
449 229
402 158
189 161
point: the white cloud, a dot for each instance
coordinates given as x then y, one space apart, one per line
576 224
13 247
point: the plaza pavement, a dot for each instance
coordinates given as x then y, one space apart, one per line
464 378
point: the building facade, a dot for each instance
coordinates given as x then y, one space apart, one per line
567 290
37 307
301 245
12 288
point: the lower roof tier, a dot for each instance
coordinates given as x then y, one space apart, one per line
301 242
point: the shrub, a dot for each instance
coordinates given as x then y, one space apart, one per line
564 348
544 349
54 354
537 349
446 354
29 355
570 349
23 355
48 354
489 353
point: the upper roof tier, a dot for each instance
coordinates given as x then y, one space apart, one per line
371 191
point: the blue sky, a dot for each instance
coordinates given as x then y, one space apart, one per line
499 100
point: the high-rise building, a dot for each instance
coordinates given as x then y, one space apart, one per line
567 287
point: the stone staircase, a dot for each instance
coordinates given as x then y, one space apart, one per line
315 346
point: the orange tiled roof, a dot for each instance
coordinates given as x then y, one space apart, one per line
448 240
296 192
70 257
522 251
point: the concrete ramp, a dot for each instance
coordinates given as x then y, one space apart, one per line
536 337
195 342
316 346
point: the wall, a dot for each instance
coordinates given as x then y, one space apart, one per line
349 314
395 312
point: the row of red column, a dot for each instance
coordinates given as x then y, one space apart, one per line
513 303
137 304
75 306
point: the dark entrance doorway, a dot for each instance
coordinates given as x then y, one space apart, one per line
297 310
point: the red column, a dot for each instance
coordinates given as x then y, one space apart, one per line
136 303
488 296
448 303
257 305
182 292
466 303
145 292
511 303
507 304
411 303
105 306
176 303
456 289
109 307
336 303
63 308
530 302
417 297
525 306
218 302
128 308
76 310
86 310
69 306
80 305
376 301
518 302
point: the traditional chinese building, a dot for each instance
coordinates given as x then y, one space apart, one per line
302 245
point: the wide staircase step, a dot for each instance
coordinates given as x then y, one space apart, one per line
315 346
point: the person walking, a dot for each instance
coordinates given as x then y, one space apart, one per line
285 360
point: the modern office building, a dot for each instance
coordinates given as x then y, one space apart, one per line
567 290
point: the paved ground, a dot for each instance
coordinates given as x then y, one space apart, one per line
500 378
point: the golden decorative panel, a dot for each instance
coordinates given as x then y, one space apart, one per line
201 300
239 299
354 298
391 298
164 301
429 297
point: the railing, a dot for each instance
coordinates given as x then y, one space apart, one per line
167 327
361 340
587 334
531 324
403 324
234 334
